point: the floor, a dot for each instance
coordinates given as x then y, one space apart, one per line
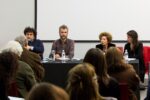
143 93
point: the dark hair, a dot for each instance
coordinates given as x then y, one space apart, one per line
47 91
8 68
29 29
133 34
8 65
96 57
82 84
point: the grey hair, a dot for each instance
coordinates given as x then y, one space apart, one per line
22 40
13 46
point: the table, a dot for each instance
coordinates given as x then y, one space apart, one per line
56 72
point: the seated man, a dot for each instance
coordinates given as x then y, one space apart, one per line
63 44
34 45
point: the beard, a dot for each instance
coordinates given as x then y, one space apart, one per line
63 37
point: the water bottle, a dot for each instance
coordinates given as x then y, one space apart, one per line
126 56
53 55
63 54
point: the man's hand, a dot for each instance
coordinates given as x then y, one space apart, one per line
57 56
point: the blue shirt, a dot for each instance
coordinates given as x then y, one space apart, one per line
38 47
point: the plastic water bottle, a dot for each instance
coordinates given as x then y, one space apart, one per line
63 54
126 56
53 55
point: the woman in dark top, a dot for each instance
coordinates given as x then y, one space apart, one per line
107 84
105 39
135 50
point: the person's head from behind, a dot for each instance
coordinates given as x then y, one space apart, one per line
132 37
63 32
96 57
8 66
105 38
13 46
30 33
82 83
22 40
114 56
47 91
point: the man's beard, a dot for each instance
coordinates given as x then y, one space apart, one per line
63 37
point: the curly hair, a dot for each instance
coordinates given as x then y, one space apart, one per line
108 36
30 29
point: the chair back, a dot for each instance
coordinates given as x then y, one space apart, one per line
13 90
124 93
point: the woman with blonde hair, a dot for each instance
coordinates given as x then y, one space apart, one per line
122 71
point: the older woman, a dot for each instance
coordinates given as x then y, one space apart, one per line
105 39
122 71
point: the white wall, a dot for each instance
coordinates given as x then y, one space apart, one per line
87 18
15 15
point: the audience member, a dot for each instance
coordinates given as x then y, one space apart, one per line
47 91
31 58
135 50
63 44
105 41
8 68
107 84
34 44
25 78
122 71
82 83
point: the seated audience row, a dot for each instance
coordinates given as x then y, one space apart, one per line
82 85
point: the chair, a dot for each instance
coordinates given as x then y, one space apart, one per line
13 90
146 55
120 48
124 93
